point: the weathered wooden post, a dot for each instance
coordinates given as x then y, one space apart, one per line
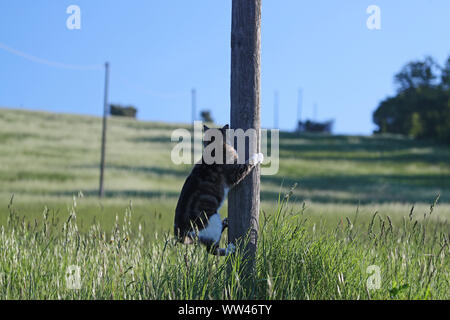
103 145
194 105
243 200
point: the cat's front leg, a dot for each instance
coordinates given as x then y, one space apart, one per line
240 171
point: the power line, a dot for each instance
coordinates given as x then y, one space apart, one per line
154 93
158 94
48 62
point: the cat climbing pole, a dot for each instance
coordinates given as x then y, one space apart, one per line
243 200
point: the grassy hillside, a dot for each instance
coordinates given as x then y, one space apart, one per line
48 158
316 246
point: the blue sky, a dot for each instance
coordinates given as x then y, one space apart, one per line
159 50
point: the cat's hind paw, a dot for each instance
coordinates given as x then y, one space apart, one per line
231 248
224 224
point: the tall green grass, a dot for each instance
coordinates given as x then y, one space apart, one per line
296 259
317 243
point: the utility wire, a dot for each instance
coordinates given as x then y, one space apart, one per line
154 93
48 62
164 95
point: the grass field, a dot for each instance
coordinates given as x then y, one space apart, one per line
318 245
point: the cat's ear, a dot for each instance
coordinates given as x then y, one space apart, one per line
205 128
224 132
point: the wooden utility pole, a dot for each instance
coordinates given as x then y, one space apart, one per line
299 105
243 200
276 110
105 115
194 105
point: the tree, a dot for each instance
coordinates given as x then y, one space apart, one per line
417 74
421 108
445 76
206 116
243 200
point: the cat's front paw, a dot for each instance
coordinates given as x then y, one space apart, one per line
254 159
230 249
260 158
257 158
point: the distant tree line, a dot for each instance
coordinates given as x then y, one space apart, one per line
122 111
206 116
421 107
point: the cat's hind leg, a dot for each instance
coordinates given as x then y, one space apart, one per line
211 234
224 224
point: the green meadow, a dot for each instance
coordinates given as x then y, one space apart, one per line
358 201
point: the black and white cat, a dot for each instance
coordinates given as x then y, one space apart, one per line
203 193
